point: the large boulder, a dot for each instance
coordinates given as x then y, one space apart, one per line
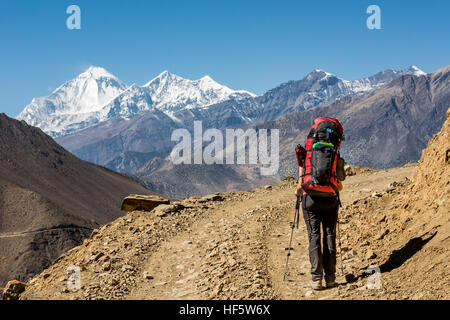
13 289
143 203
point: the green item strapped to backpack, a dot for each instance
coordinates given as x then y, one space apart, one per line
323 144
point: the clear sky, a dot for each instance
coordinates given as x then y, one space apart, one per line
244 44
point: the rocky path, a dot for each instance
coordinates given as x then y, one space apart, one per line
238 249
222 256
233 247
297 284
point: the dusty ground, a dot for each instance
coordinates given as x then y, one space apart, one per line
238 252
234 249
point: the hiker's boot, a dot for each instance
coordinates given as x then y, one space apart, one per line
331 284
316 284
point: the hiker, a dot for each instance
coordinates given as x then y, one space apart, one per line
321 171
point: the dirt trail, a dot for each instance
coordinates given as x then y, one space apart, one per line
297 285
238 252
222 256
234 248
25 233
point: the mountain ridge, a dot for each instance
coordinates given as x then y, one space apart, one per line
120 150
49 199
287 97
385 128
96 95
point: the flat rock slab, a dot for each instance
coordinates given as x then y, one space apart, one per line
141 202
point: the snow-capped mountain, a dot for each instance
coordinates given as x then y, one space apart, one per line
317 88
402 106
76 101
133 100
96 96
378 80
170 92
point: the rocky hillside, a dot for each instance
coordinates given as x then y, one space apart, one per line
232 245
49 199
406 232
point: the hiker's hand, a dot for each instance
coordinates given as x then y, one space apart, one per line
297 193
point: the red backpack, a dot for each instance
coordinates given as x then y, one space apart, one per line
319 160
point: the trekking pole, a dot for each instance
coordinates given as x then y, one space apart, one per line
296 214
340 247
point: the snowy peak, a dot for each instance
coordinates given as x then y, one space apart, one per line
380 78
97 73
76 99
320 87
163 77
170 92
87 92
413 70
319 74
96 95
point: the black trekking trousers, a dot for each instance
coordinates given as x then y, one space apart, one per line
317 211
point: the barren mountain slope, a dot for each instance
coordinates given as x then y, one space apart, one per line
49 199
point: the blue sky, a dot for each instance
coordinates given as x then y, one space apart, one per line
247 44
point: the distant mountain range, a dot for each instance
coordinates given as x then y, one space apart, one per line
49 199
168 102
131 132
384 128
96 96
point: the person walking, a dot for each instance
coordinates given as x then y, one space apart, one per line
320 174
